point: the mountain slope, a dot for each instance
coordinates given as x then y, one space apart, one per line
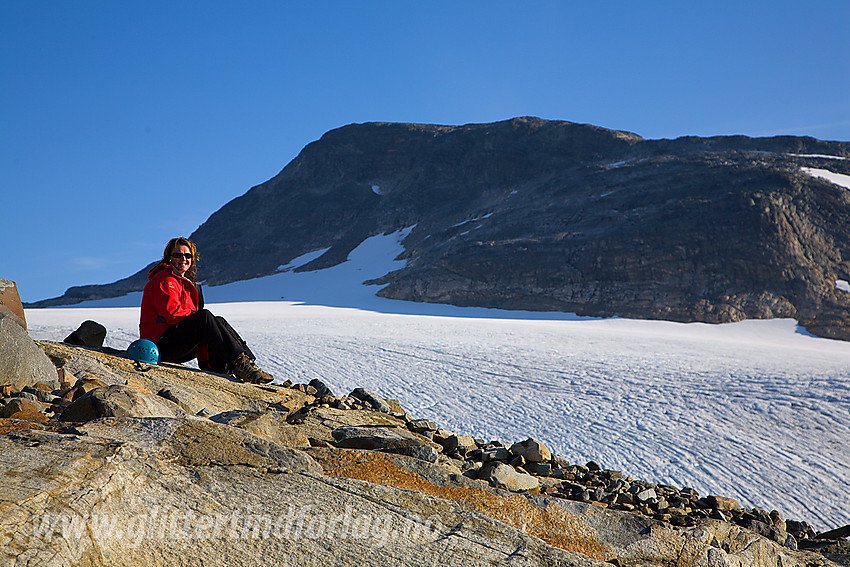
545 215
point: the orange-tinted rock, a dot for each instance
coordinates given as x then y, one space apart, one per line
22 409
10 302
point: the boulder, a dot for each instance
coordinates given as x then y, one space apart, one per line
22 362
500 475
496 454
376 402
118 401
89 333
646 495
532 451
322 389
86 384
22 409
722 503
771 532
396 408
539 469
40 395
422 426
454 441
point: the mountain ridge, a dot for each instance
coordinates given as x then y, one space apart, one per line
551 215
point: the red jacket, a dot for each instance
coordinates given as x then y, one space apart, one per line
167 298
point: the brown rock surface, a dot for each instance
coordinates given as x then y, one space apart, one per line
10 302
24 410
203 390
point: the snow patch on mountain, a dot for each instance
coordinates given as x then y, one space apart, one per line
835 178
487 216
302 260
821 156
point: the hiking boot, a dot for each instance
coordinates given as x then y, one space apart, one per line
245 369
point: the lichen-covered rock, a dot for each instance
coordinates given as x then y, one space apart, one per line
270 425
722 503
178 492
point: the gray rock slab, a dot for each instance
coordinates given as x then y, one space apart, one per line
22 362
319 423
197 441
154 510
271 425
422 426
376 438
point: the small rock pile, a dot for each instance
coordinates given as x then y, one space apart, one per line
529 466
36 403
41 402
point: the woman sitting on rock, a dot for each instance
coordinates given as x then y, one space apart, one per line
173 317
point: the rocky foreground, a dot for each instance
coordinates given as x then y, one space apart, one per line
105 462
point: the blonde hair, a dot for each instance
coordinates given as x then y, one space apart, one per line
192 272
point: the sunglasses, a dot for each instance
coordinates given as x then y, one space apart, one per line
186 255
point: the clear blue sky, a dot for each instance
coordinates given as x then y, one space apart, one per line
125 123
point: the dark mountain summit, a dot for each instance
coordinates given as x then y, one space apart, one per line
545 215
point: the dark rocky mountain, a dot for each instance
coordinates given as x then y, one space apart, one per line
546 215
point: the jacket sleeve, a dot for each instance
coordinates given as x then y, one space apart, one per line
171 301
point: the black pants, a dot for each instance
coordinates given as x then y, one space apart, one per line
180 343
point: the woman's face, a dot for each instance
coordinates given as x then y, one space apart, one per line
181 259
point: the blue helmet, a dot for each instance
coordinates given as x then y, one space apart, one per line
143 350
